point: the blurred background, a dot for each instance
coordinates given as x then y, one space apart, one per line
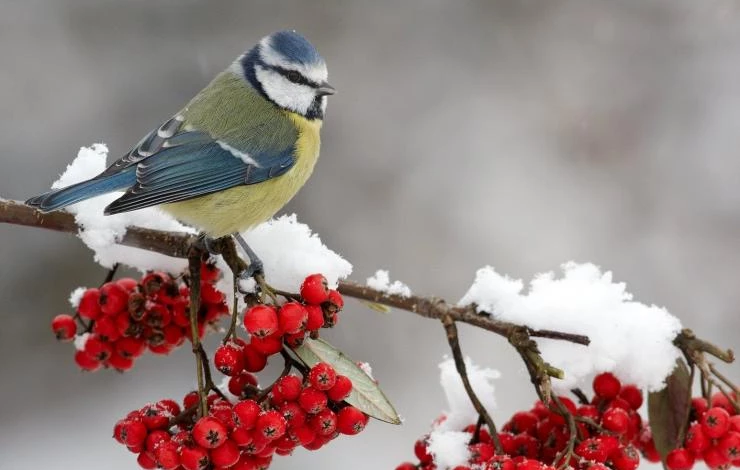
520 134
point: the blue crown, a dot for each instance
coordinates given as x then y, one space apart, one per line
295 48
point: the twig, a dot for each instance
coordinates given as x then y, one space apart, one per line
178 245
194 266
454 341
566 454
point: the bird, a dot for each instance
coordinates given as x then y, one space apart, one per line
234 155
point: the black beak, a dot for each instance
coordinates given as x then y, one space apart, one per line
325 89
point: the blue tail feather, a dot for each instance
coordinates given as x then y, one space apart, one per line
64 197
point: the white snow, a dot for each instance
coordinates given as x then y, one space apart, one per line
76 296
628 338
101 233
288 248
80 341
449 448
447 443
381 281
290 252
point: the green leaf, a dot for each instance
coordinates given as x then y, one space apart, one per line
668 410
366 395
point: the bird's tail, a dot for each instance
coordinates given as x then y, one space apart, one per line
64 197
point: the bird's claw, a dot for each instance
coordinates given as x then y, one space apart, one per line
210 245
262 288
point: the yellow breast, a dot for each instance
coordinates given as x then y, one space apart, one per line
242 207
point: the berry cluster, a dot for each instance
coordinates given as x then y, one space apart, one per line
307 412
713 436
270 326
608 431
124 318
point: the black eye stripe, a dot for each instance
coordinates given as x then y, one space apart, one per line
295 77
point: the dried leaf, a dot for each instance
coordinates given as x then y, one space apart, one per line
377 307
668 410
366 395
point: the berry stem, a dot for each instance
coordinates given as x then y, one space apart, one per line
566 454
194 266
286 370
111 273
231 333
582 398
208 378
454 342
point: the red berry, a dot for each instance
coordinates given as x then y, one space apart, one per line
616 420
526 445
647 445
155 417
719 399
289 387
209 272
699 406
268 345
97 348
406 466
592 449
606 385
225 455
133 433
336 300
209 432
312 400
714 458
422 452
341 389
146 461
729 445
523 421
625 458
293 414
480 453
589 411
315 289
322 376
130 347
295 340
696 440
245 413
315 317
113 298
238 384
324 422
632 395
194 458
210 294
292 317
254 361
679 459
167 455
735 423
64 327
271 425
86 362
89 307
716 422
120 363
261 321
351 421
229 359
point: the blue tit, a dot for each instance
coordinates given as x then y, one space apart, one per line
235 154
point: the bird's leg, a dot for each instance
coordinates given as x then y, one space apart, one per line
255 268
208 244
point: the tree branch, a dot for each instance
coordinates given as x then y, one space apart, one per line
178 245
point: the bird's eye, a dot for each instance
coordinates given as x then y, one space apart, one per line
294 76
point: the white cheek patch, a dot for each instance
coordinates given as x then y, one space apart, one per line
315 72
285 93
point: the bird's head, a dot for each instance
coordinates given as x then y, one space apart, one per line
288 71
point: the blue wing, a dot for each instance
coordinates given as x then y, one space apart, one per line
192 164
